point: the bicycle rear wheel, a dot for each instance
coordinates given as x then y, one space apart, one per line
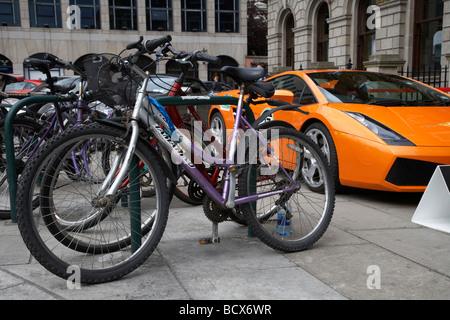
294 220
72 227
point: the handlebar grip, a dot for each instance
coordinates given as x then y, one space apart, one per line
56 60
136 44
40 64
200 56
151 45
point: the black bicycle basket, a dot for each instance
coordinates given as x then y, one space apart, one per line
107 81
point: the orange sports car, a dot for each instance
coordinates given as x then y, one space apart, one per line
378 131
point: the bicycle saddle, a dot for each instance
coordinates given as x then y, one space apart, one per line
241 75
61 88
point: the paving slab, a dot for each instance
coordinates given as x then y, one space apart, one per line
371 250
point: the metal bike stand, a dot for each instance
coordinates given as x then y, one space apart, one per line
206 101
135 205
9 143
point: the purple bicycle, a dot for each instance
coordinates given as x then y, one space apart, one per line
263 176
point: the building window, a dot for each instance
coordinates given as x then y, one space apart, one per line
9 13
89 13
428 33
193 15
122 15
45 13
227 15
366 36
322 32
289 41
159 15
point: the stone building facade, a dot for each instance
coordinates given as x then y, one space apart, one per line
378 35
216 27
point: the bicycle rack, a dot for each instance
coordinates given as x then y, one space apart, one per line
135 209
9 143
207 100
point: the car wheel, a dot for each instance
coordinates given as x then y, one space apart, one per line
218 129
319 133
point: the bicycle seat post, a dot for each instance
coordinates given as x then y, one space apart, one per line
231 174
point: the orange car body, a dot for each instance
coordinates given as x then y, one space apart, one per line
364 159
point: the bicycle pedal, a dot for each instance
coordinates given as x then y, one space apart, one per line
209 241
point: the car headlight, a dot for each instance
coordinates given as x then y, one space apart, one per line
386 134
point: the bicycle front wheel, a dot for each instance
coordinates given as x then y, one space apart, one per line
72 226
293 220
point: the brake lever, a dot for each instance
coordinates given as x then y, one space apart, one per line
136 44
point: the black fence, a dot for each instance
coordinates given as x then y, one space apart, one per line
437 78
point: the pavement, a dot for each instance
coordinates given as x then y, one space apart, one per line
371 251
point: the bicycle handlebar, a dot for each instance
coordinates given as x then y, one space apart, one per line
201 56
151 45
62 63
57 60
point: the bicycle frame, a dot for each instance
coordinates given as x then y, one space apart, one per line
144 112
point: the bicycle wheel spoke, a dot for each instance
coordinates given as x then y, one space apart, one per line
73 225
292 220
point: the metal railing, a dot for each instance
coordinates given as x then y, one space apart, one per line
437 78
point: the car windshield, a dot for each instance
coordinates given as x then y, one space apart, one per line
376 89
16 86
160 85
67 82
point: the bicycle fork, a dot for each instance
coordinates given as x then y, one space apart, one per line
122 161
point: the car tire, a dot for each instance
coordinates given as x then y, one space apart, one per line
319 133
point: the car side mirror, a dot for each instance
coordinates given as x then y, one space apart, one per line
283 95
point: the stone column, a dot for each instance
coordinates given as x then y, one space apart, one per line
303 55
446 34
104 15
339 42
390 38
141 18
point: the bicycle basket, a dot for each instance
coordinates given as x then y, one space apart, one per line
106 81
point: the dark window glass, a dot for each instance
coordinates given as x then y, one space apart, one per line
122 15
159 15
428 34
227 16
302 93
322 33
366 36
9 13
89 12
193 15
45 13
376 89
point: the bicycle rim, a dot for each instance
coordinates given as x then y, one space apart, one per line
308 211
72 227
